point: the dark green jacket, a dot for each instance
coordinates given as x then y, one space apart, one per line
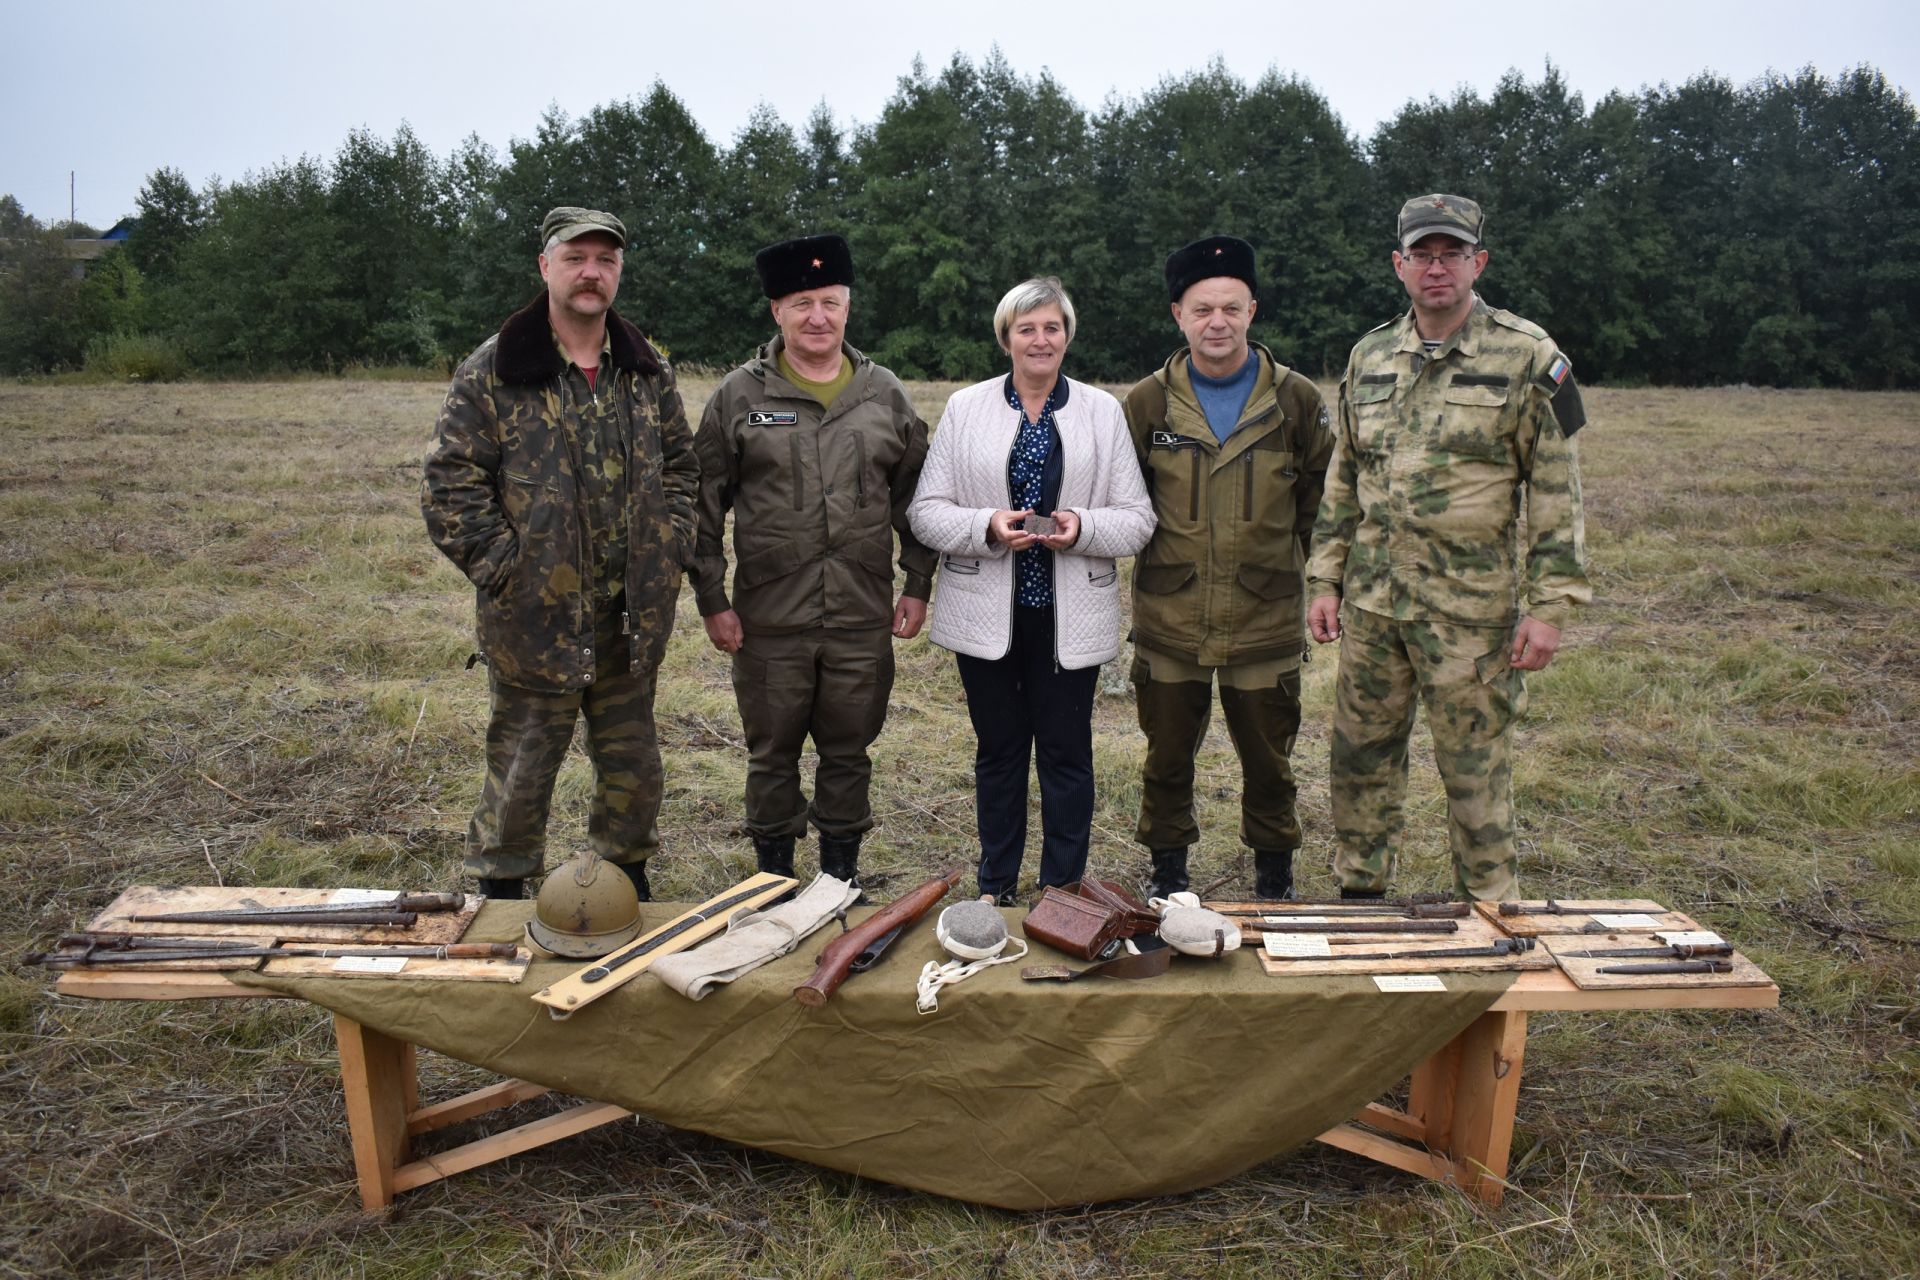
501 500
1220 581
817 495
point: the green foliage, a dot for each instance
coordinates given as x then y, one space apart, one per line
136 357
1705 233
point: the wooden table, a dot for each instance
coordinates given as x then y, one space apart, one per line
1457 1126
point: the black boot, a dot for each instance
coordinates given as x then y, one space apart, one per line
1363 895
503 890
840 857
637 872
1273 874
773 854
1169 872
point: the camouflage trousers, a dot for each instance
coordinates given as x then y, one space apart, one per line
825 683
1261 701
528 734
1473 697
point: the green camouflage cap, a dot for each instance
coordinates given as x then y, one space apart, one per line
1454 216
569 221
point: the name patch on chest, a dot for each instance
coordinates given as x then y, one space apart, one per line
1173 440
768 418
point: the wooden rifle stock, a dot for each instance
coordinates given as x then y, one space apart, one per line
839 954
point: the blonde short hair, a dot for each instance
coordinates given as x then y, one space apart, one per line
1031 295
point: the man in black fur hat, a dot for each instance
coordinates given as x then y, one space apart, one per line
561 480
1235 447
816 451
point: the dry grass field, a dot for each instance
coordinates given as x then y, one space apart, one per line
228 651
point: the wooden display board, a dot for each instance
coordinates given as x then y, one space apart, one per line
429 928
1584 970
1594 918
1474 932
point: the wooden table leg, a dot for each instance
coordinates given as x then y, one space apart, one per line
1485 1096
1430 1096
376 1075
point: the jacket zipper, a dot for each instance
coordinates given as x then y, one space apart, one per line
1013 557
799 498
1053 561
859 471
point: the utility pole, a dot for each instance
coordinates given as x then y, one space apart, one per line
73 209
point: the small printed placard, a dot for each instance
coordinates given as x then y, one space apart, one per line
1409 982
1630 920
1692 938
1297 946
370 964
344 897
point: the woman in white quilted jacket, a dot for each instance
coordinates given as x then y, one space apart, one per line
1030 490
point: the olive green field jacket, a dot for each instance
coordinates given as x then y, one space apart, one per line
1221 580
817 495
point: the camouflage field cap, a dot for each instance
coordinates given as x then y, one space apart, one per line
1454 216
569 221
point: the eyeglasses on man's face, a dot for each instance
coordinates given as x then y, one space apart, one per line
1451 259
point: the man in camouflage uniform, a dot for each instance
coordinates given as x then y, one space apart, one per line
1451 418
1234 446
561 481
816 450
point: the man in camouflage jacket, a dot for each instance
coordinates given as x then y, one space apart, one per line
1451 418
816 451
561 481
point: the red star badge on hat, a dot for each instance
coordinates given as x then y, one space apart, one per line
1217 251
1439 202
816 262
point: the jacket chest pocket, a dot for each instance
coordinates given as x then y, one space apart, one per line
771 457
1176 472
1474 423
529 500
864 455
1372 404
1266 486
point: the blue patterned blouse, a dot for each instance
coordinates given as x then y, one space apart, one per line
1032 568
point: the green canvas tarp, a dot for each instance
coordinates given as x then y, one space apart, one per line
1016 1094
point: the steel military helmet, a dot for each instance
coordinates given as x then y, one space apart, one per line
586 909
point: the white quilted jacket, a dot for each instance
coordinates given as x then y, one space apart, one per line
965 481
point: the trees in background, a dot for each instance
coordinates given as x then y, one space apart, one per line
1700 233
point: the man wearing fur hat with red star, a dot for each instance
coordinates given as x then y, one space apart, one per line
816 450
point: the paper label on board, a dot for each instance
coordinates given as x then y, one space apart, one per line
1297 946
370 964
1631 920
1298 919
1692 938
1409 982
345 897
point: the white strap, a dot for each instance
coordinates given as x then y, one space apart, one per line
936 975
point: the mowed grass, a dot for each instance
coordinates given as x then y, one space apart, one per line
227 651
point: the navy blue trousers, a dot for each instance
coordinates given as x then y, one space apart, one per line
1024 708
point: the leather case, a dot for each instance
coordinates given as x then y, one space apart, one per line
1136 916
1073 924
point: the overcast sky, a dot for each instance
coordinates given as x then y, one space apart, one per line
114 90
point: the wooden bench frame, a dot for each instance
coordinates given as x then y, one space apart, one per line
1457 1126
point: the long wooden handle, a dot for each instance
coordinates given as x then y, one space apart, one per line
838 957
